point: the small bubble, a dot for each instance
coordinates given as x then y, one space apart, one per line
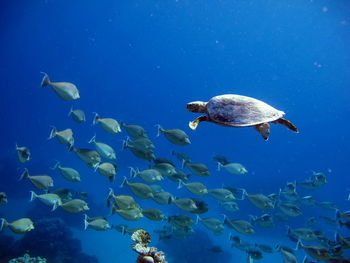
316 64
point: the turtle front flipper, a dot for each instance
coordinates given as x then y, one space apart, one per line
193 124
287 124
263 129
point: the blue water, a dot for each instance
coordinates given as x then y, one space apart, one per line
141 62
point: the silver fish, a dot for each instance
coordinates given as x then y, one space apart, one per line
64 136
139 189
23 153
77 115
41 182
108 124
153 214
49 199
148 175
195 187
75 206
68 173
233 168
175 136
134 131
103 149
20 226
96 223
65 90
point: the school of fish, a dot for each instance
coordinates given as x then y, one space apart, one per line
272 208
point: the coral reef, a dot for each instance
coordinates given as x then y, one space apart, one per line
53 240
146 254
27 259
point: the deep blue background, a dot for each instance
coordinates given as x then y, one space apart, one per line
142 61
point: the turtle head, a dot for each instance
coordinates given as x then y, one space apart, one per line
197 106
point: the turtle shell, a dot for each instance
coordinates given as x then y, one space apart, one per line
240 111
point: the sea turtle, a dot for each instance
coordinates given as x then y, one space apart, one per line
238 111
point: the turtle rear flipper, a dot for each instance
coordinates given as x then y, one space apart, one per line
193 124
287 124
263 129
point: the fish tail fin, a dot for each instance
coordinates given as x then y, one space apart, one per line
96 118
95 166
123 230
244 193
70 111
108 202
111 193
56 165
133 172
198 219
124 181
16 145
45 81
299 245
181 184
277 247
86 223
337 237
340 223
3 224
288 229
279 192
252 218
159 129
337 214
225 219
305 260
71 148
219 166
125 143
170 200
52 132
24 175
55 205
183 163
274 203
93 139
33 196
